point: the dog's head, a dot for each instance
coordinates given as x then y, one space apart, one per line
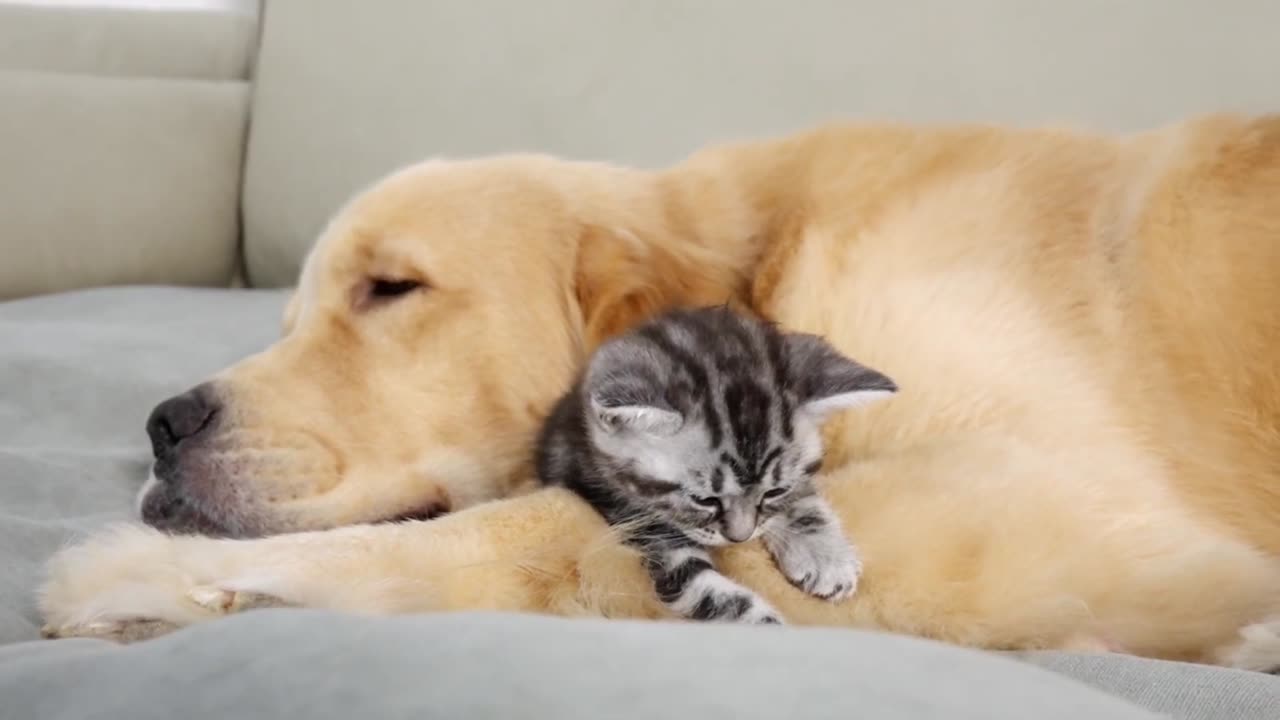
436 320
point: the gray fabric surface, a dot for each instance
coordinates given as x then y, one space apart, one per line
296 664
344 94
80 371
1177 689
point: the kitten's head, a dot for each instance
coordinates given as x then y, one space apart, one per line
713 419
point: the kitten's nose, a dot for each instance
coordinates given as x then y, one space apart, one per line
739 522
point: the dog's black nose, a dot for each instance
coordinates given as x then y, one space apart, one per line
179 418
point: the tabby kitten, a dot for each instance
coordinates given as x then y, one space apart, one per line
701 428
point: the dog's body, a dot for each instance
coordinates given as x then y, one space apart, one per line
1085 452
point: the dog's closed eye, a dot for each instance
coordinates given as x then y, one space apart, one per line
385 288
381 290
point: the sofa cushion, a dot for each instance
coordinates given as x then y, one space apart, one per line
301 664
1178 690
345 94
122 126
118 180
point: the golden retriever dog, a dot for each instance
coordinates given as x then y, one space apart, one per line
1084 454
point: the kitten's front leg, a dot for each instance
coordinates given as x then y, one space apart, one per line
812 551
689 585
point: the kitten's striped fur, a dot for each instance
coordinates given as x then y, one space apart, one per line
701 428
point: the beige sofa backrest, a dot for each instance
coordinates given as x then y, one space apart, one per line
349 91
122 130
122 127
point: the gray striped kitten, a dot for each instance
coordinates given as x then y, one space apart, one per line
701 428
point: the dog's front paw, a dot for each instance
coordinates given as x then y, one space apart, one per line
825 567
215 601
130 583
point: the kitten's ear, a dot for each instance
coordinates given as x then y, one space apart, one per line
827 381
647 419
624 389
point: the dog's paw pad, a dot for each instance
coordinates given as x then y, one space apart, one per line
215 600
227 602
120 631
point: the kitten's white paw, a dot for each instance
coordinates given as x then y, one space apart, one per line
823 565
762 614
712 597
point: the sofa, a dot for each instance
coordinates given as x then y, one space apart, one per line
164 165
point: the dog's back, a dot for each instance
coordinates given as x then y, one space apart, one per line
1086 337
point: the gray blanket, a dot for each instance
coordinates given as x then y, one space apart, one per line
78 374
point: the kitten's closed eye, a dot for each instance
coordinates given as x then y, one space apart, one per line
706 502
775 493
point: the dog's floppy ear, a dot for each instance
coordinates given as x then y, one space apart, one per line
614 284
624 278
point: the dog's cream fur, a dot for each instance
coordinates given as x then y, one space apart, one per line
1085 452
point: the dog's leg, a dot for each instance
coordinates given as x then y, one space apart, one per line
525 553
1023 559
